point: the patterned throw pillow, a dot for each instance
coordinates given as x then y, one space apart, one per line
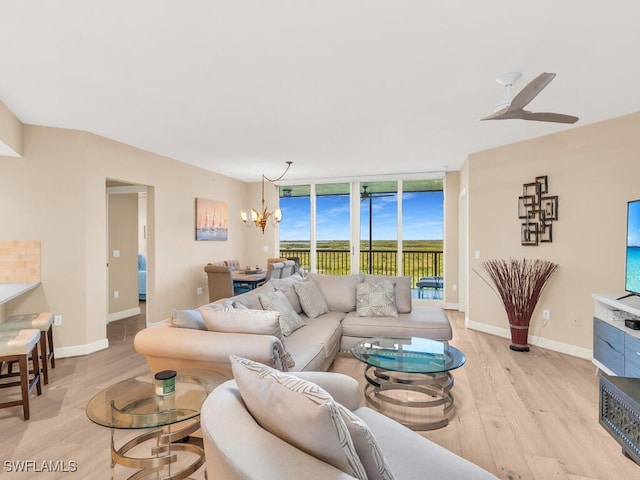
376 299
277 302
285 285
311 300
249 321
367 447
297 411
402 287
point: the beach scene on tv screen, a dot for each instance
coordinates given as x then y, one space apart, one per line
633 248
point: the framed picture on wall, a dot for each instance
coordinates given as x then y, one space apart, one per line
211 219
525 206
550 207
529 233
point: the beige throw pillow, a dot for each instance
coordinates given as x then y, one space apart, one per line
376 299
297 411
311 300
259 322
339 291
277 302
251 299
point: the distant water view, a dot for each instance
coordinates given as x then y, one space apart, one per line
633 269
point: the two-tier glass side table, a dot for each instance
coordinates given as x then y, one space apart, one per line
167 420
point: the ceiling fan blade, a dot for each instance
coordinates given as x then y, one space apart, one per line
533 88
548 117
504 114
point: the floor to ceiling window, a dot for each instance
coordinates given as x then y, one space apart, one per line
333 228
398 230
379 227
295 227
423 235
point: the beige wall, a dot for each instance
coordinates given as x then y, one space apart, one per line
56 194
594 170
123 267
257 243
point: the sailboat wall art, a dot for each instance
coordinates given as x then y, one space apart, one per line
211 219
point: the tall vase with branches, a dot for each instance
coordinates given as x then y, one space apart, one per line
519 283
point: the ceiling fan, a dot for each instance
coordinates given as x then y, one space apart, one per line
368 195
512 106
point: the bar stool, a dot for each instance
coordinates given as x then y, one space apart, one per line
18 346
42 321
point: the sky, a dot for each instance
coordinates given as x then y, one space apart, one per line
422 217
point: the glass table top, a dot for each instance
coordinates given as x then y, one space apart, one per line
133 403
409 355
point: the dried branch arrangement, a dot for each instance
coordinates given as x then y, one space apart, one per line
519 283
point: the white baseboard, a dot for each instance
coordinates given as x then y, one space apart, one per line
112 317
572 350
78 350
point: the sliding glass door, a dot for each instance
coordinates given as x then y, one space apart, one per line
392 227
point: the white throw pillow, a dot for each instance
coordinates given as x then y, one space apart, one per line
367 446
311 300
297 411
277 302
376 299
258 322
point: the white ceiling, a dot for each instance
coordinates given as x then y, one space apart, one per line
340 87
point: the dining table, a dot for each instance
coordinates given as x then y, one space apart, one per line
251 278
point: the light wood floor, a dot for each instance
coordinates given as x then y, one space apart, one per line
520 416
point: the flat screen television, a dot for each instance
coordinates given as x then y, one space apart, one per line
632 275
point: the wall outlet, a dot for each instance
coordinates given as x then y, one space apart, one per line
116 253
546 314
116 294
199 291
57 320
265 248
454 287
477 254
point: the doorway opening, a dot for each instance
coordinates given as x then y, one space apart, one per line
128 258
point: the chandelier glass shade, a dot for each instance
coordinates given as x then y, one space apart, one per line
260 218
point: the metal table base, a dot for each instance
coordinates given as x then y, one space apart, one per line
427 391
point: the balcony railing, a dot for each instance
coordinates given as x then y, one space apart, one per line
417 264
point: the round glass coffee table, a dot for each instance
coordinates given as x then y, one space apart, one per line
134 404
409 379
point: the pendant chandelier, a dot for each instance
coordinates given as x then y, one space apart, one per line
259 218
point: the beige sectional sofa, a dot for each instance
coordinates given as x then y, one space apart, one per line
336 312
313 346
